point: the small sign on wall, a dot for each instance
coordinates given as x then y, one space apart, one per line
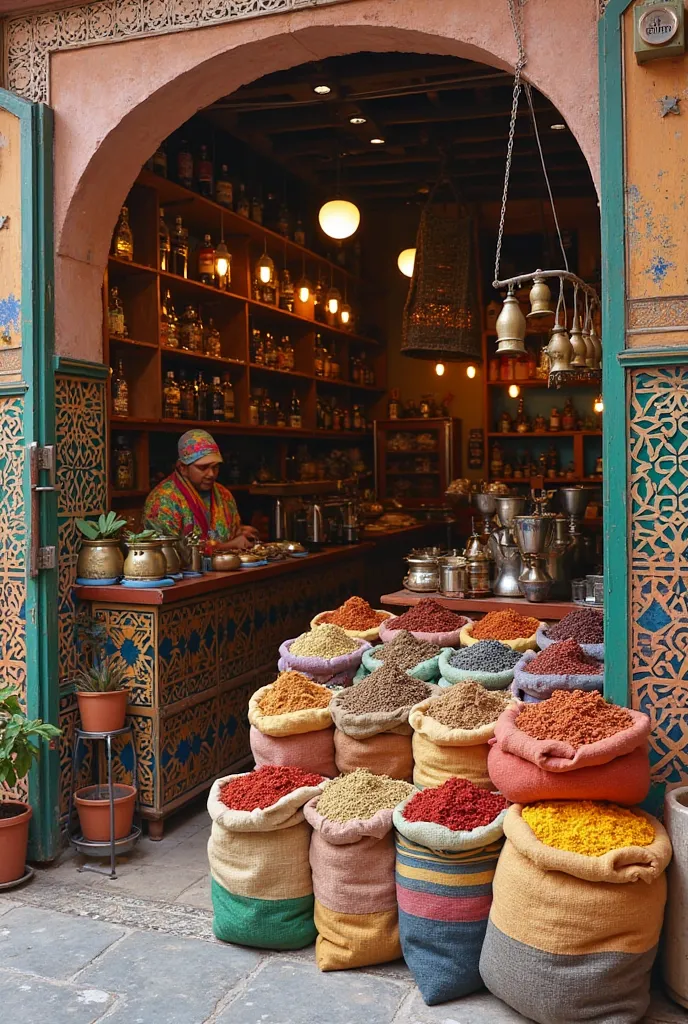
658 30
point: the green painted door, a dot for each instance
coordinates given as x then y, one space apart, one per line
28 522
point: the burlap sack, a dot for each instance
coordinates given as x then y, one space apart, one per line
593 650
439 752
543 685
450 638
528 643
490 680
355 899
427 671
261 884
304 739
338 671
370 635
572 938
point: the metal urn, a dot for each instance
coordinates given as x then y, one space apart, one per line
559 349
511 327
505 548
534 535
577 343
540 299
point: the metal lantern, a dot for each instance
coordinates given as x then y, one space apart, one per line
559 349
265 269
511 327
577 343
597 345
540 299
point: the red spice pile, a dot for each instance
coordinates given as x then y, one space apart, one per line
583 624
506 625
565 659
428 616
457 804
575 717
264 786
354 614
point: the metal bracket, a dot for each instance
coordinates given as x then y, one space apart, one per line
47 558
41 460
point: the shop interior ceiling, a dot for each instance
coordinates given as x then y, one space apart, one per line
424 107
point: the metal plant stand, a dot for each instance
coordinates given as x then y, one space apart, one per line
88 847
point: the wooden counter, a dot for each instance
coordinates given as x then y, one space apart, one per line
545 610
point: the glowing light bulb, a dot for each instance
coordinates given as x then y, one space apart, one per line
514 391
439 369
265 275
471 371
265 269
406 261
222 263
598 405
345 314
322 90
304 293
332 299
339 218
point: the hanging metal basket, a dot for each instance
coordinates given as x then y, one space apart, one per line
441 317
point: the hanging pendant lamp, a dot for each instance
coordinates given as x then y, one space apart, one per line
511 327
339 218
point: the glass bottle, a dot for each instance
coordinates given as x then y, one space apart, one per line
257 347
327 365
243 207
212 345
229 404
187 335
299 233
169 323
270 352
355 370
295 411
319 303
393 406
120 392
201 389
336 418
204 173
334 364
206 261
291 358
164 242
217 401
180 249
123 246
268 411
280 415
187 397
283 221
224 189
346 418
185 165
116 315
123 475
282 354
286 299
358 419
160 161
257 209
318 369
171 398
319 415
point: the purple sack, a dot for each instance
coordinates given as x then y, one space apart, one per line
338 671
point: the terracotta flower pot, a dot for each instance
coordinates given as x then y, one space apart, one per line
103 712
14 839
93 806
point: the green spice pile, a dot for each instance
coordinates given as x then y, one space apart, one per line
468 706
405 651
361 795
324 642
485 656
387 689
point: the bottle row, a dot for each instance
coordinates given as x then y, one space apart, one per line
526 465
567 419
183 398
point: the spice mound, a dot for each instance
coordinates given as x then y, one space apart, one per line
485 656
573 716
355 613
587 827
468 706
361 795
265 786
405 651
293 691
387 689
506 625
457 804
324 642
428 616
565 659
584 625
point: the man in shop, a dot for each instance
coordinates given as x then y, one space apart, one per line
191 496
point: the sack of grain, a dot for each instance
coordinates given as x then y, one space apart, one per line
371 633
427 670
261 884
427 620
338 670
450 674
572 937
593 650
304 738
526 643
444 892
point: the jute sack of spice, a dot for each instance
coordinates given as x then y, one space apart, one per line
336 663
442 749
261 884
575 765
429 621
417 657
563 666
303 737
444 891
509 627
572 937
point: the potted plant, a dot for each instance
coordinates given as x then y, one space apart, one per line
145 559
102 695
18 750
100 556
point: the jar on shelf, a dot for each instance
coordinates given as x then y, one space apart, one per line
505 426
568 419
211 341
188 334
123 473
555 420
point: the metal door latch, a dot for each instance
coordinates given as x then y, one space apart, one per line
45 462
47 558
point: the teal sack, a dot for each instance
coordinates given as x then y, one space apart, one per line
266 924
427 671
490 680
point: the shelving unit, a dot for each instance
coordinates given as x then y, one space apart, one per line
396 472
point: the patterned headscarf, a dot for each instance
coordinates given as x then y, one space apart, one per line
197 444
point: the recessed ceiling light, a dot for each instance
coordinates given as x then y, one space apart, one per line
322 90
377 142
558 127
356 119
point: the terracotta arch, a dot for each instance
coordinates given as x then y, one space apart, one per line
139 91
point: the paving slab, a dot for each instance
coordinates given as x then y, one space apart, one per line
7 904
50 944
480 1008
162 979
197 895
27 998
287 992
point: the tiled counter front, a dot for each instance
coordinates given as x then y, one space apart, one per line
193 665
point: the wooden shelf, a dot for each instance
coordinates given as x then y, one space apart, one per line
128 266
114 340
260 368
539 384
413 472
126 424
548 480
547 433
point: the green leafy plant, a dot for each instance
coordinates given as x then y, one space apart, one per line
104 528
18 734
135 538
102 677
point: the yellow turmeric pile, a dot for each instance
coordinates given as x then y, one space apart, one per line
294 691
587 827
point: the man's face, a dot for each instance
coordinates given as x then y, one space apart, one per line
202 474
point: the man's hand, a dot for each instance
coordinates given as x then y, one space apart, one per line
239 543
250 532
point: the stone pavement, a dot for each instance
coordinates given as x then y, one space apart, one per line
79 948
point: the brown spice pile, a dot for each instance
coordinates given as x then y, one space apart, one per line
356 614
575 717
405 651
360 794
293 691
468 706
506 625
565 659
387 689
428 616
583 624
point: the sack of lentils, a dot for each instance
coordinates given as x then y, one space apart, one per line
291 724
417 657
428 620
584 625
562 666
488 662
372 726
510 628
325 653
573 746
261 884
451 734
578 902
448 841
352 860
356 617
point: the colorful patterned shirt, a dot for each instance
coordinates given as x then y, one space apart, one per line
168 506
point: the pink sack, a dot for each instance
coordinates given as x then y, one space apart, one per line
450 639
311 751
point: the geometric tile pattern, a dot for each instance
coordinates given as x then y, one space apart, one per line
13 543
187 650
131 644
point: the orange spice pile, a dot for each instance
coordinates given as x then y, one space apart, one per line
294 691
506 625
355 613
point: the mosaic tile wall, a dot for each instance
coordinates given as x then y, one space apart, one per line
658 475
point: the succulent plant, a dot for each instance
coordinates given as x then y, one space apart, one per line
135 538
103 676
105 527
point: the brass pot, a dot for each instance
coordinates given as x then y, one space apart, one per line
225 561
172 556
100 559
145 560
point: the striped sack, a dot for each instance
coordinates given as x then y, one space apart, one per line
353 882
261 884
301 739
573 938
444 898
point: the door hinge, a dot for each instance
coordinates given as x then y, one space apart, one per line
45 463
47 558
